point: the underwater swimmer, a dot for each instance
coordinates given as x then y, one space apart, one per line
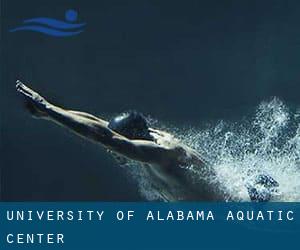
129 135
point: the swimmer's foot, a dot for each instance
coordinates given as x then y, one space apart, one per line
34 103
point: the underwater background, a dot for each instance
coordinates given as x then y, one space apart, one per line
222 75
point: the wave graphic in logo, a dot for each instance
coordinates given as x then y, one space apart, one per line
53 27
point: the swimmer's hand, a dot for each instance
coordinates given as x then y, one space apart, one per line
35 103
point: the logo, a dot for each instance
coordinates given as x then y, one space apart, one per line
53 27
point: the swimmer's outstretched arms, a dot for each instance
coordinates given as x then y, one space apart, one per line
98 130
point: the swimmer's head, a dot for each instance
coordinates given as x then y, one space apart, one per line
132 125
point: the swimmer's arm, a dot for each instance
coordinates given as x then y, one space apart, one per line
83 124
34 100
87 115
98 131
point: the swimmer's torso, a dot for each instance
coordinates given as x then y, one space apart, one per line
177 179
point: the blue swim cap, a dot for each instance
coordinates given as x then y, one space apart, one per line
132 125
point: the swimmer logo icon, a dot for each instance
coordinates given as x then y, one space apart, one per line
53 27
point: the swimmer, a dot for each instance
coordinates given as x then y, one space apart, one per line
129 136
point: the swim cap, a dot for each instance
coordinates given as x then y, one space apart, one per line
132 125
